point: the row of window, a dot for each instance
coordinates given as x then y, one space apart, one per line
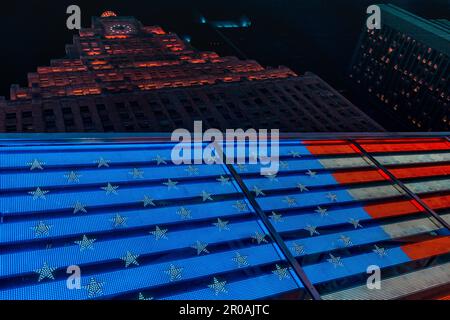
287 105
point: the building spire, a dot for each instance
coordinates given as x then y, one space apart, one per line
108 13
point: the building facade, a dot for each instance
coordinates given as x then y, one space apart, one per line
120 75
404 69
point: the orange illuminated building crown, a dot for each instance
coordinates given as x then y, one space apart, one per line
119 54
108 14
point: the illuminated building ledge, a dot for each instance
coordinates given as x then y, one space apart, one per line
306 104
119 53
116 206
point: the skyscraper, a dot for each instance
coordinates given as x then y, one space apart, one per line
120 75
403 68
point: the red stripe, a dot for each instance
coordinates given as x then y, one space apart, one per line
437 202
384 175
345 177
320 148
404 207
418 205
395 147
426 171
373 175
426 249
391 209
404 140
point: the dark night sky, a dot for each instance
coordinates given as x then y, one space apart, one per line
314 35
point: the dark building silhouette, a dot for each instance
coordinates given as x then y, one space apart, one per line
120 75
404 69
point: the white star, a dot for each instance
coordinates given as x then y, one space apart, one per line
118 221
302 187
346 240
272 177
322 211
332 196
241 167
159 160
72 176
159 233
221 224
218 286
130 258
184 213
41 229
45 272
294 154
312 230
240 206
148 201
258 191
136 173
94 288
200 247
192 170
355 223
223 180
240 260
110 189
282 273
336 261
284 165
86 243
36 164
175 273
38 194
78 206
259 237
290 201
310 173
380 251
298 249
206 196
102 163
276 217
171 184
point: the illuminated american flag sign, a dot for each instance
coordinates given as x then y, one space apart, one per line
140 227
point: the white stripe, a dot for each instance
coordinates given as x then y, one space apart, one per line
397 287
